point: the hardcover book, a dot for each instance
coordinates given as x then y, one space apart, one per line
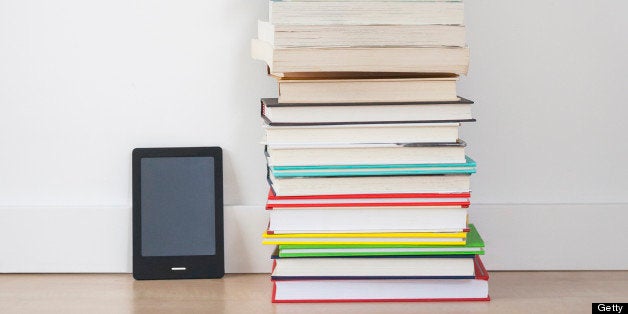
365 154
384 290
368 200
474 246
469 167
281 134
368 219
389 238
451 183
378 267
339 113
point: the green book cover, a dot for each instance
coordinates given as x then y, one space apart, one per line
474 246
468 167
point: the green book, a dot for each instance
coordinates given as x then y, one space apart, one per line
469 167
474 246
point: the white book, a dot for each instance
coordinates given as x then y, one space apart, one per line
362 59
380 290
381 251
348 238
370 185
366 12
421 88
368 219
277 113
365 154
362 133
294 35
366 201
373 267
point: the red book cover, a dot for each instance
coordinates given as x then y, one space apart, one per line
366 200
271 232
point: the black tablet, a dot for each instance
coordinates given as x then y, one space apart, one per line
177 213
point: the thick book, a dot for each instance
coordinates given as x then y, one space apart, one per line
368 200
468 167
365 154
369 267
421 88
384 290
366 12
457 237
458 110
368 219
358 133
474 246
453 60
342 35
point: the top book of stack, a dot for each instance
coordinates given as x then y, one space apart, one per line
366 12
307 38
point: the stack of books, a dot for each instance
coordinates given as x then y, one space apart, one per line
369 181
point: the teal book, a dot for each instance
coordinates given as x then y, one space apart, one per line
474 246
469 167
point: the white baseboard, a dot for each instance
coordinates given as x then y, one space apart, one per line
99 240
518 237
553 236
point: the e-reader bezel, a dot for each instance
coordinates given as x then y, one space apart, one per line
196 266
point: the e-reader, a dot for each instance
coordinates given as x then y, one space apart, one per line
177 213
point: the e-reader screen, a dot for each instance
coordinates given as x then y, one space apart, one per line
178 206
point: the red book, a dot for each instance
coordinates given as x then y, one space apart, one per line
369 200
384 290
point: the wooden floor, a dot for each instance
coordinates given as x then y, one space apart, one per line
512 292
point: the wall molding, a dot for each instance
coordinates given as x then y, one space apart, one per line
518 237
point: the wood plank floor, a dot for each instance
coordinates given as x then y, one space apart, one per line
512 292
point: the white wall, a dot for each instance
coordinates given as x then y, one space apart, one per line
83 82
549 79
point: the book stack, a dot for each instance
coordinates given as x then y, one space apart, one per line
369 181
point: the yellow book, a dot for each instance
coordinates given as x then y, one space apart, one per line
405 238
